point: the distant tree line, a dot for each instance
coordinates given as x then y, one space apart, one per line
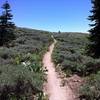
6 26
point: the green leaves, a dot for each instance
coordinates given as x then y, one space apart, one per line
91 89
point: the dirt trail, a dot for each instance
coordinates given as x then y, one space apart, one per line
53 86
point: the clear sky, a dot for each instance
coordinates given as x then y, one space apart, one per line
52 15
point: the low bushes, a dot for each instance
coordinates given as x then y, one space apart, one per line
70 54
21 73
91 89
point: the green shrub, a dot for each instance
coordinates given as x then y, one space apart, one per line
91 89
69 52
21 66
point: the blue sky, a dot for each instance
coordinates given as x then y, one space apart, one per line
52 15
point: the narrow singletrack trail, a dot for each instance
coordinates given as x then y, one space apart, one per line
53 87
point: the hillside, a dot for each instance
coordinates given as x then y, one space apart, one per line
21 68
70 57
21 73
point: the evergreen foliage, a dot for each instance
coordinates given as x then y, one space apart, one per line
94 46
6 26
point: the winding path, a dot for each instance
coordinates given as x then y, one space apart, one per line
53 87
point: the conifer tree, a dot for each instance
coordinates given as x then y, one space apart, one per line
94 46
6 26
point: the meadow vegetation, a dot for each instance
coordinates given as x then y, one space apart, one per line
70 54
21 73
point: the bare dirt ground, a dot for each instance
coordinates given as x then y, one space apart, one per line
53 87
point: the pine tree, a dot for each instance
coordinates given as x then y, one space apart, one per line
6 26
94 46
